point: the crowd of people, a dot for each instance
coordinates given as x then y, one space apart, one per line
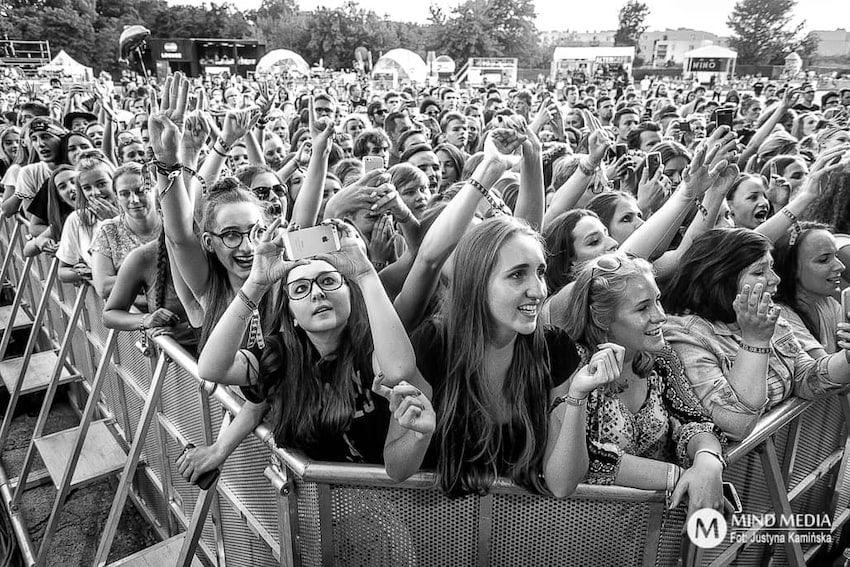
602 285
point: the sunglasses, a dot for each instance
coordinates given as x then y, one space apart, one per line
263 192
605 264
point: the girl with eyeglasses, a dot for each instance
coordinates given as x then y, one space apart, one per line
339 339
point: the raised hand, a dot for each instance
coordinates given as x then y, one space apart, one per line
599 143
175 97
651 191
237 123
410 407
710 159
604 368
269 265
778 188
321 129
502 146
195 132
351 259
756 314
826 163
382 243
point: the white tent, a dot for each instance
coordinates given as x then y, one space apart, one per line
404 63
282 60
67 66
710 61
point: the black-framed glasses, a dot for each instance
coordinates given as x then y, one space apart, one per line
301 288
263 192
233 238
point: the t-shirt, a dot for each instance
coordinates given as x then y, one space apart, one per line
30 179
363 442
75 243
432 361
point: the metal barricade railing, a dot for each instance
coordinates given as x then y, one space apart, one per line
275 506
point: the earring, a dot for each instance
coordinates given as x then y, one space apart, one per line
295 323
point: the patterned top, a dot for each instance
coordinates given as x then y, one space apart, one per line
115 240
661 429
708 351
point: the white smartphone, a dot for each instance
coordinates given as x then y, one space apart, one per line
845 303
371 163
309 242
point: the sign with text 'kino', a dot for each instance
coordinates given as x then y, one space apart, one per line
708 64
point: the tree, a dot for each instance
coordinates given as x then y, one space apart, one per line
632 17
482 28
760 34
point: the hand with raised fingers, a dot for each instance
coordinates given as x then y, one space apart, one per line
195 132
175 98
409 406
827 162
270 264
651 191
237 123
756 314
382 244
778 188
599 143
726 179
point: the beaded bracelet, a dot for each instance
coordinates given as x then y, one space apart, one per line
701 208
796 229
496 205
586 167
755 349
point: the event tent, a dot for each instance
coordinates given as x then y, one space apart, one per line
711 60
65 65
406 64
282 60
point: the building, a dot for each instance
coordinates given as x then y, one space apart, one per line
198 55
835 43
668 47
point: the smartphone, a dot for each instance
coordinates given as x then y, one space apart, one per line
733 501
653 162
684 127
845 303
371 163
724 117
621 150
312 241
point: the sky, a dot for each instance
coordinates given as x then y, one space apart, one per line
596 15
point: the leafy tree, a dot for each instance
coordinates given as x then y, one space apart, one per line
632 17
760 31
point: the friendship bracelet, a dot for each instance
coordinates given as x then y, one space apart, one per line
247 301
496 205
163 169
224 146
701 208
756 349
477 184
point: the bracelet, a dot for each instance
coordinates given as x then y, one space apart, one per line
586 167
701 208
172 177
142 326
225 147
756 349
477 184
163 169
714 454
796 229
247 301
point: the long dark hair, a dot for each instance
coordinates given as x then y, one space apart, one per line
559 244
706 282
57 209
471 444
785 256
313 396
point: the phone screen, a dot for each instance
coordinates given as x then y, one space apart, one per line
653 162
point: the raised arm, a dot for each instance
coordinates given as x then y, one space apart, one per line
531 201
568 195
305 211
450 226
766 129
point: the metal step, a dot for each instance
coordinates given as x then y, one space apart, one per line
38 373
100 457
22 320
159 555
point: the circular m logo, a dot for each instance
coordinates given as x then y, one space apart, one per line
707 528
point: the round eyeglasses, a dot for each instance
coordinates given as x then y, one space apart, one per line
233 238
301 288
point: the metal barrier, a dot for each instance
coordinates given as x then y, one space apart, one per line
274 506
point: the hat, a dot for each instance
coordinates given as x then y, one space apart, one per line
71 116
45 124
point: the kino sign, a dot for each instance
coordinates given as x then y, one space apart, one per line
706 64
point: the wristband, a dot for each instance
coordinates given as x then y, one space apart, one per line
255 332
714 454
477 184
755 349
586 167
796 229
701 208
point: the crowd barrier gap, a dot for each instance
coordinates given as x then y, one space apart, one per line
274 506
